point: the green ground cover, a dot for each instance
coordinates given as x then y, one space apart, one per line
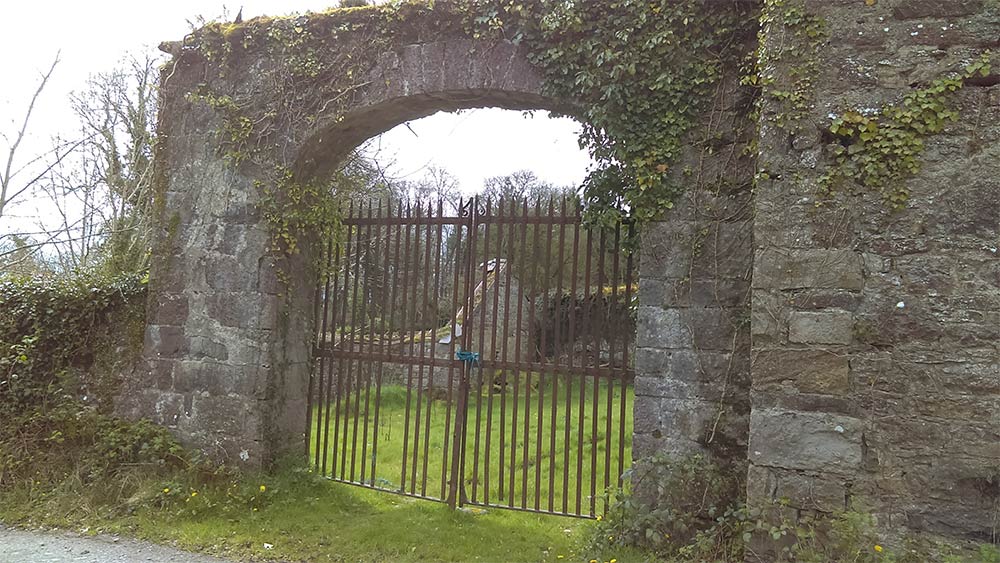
296 514
564 450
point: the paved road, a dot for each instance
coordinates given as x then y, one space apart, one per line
19 546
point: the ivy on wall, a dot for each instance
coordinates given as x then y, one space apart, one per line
63 345
880 150
644 74
788 32
638 74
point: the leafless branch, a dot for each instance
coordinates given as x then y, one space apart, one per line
5 179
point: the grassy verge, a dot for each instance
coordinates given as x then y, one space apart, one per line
295 514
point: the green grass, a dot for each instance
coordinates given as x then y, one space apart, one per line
306 517
539 456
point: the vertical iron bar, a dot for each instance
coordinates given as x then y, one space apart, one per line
547 310
611 386
508 267
610 332
340 363
370 316
361 345
320 407
581 418
482 348
456 496
494 356
594 374
626 305
385 334
562 304
433 343
456 268
531 338
521 298
407 321
423 351
541 352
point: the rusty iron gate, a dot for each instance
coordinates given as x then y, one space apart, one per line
477 356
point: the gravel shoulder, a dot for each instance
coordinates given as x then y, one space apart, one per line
24 546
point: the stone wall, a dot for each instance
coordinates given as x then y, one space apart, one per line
848 351
876 381
692 344
227 352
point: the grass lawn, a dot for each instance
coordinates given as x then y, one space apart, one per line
295 514
511 448
305 518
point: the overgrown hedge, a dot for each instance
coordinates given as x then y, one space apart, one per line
64 343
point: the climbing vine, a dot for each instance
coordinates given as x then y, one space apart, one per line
639 75
63 344
880 150
800 37
644 74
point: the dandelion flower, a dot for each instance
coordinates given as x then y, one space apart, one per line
613 561
263 488
194 493
593 561
599 518
878 548
166 490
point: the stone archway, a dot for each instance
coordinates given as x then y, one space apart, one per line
856 313
226 356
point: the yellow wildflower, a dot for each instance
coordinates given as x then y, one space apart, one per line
194 493
166 490
263 488
599 518
878 548
613 561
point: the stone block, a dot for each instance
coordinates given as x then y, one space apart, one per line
723 250
811 492
805 440
652 292
826 299
915 9
165 342
666 250
170 309
768 317
648 415
808 269
662 328
825 327
712 329
719 293
805 371
204 347
651 362
716 389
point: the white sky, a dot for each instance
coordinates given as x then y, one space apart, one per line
93 36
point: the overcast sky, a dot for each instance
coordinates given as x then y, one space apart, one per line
92 36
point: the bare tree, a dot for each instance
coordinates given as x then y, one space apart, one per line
98 190
36 168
